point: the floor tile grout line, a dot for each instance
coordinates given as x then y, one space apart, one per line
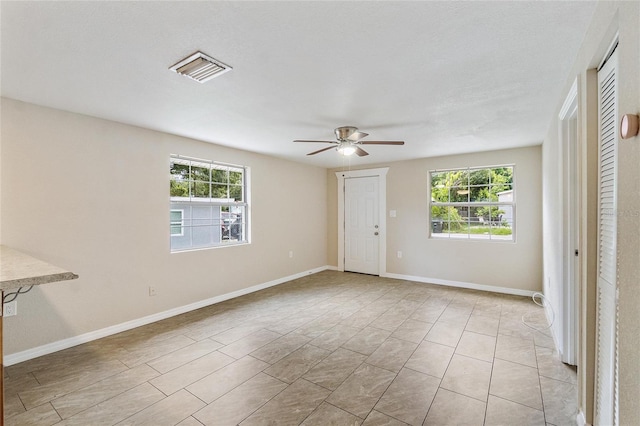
109 399
495 349
516 402
514 362
453 298
556 379
540 383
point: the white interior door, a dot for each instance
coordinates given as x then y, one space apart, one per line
606 392
361 225
571 228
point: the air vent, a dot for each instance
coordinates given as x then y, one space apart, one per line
200 67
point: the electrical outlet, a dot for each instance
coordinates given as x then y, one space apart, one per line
290 254
10 309
399 254
152 291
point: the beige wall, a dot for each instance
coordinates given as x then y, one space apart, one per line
609 18
92 196
500 264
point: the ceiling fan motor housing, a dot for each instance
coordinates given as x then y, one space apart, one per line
342 133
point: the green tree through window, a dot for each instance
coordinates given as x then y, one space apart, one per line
472 203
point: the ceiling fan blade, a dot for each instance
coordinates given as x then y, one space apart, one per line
299 140
356 136
320 150
382 143
361 152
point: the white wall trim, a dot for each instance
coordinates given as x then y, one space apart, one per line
461 284
552 318
570 101
565 330
381 173
17 357
581 419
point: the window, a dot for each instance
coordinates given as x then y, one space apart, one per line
209 204
177 223
473 203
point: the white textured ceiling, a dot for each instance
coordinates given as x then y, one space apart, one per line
446 77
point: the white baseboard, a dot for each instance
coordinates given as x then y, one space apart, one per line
550 316
17 357
461 284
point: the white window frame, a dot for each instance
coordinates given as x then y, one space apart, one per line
175 223
471 204
214 202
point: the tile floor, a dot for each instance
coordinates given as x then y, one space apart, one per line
329 349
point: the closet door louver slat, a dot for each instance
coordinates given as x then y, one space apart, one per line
606 394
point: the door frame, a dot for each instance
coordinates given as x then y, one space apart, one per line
572 218
381 174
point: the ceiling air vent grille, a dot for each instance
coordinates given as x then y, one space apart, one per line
200 67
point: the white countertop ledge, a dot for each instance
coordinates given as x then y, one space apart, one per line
21 270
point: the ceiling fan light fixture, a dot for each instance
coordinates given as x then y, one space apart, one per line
348 142
346 149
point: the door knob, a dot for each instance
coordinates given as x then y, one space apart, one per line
375 233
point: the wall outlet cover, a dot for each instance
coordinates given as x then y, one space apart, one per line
10 309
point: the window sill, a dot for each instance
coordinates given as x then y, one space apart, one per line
242 243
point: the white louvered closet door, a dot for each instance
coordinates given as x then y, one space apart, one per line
606 394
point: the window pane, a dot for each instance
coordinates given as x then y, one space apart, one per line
178 189
479 177
235 232
438 179
219 191
176 222
219 175
235 177
479 194
226 219
457 221
200 189
235 192
459 194
179 170
200 172
506 195
458 178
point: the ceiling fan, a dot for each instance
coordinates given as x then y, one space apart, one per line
348 141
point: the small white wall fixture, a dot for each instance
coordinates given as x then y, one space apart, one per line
381 174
